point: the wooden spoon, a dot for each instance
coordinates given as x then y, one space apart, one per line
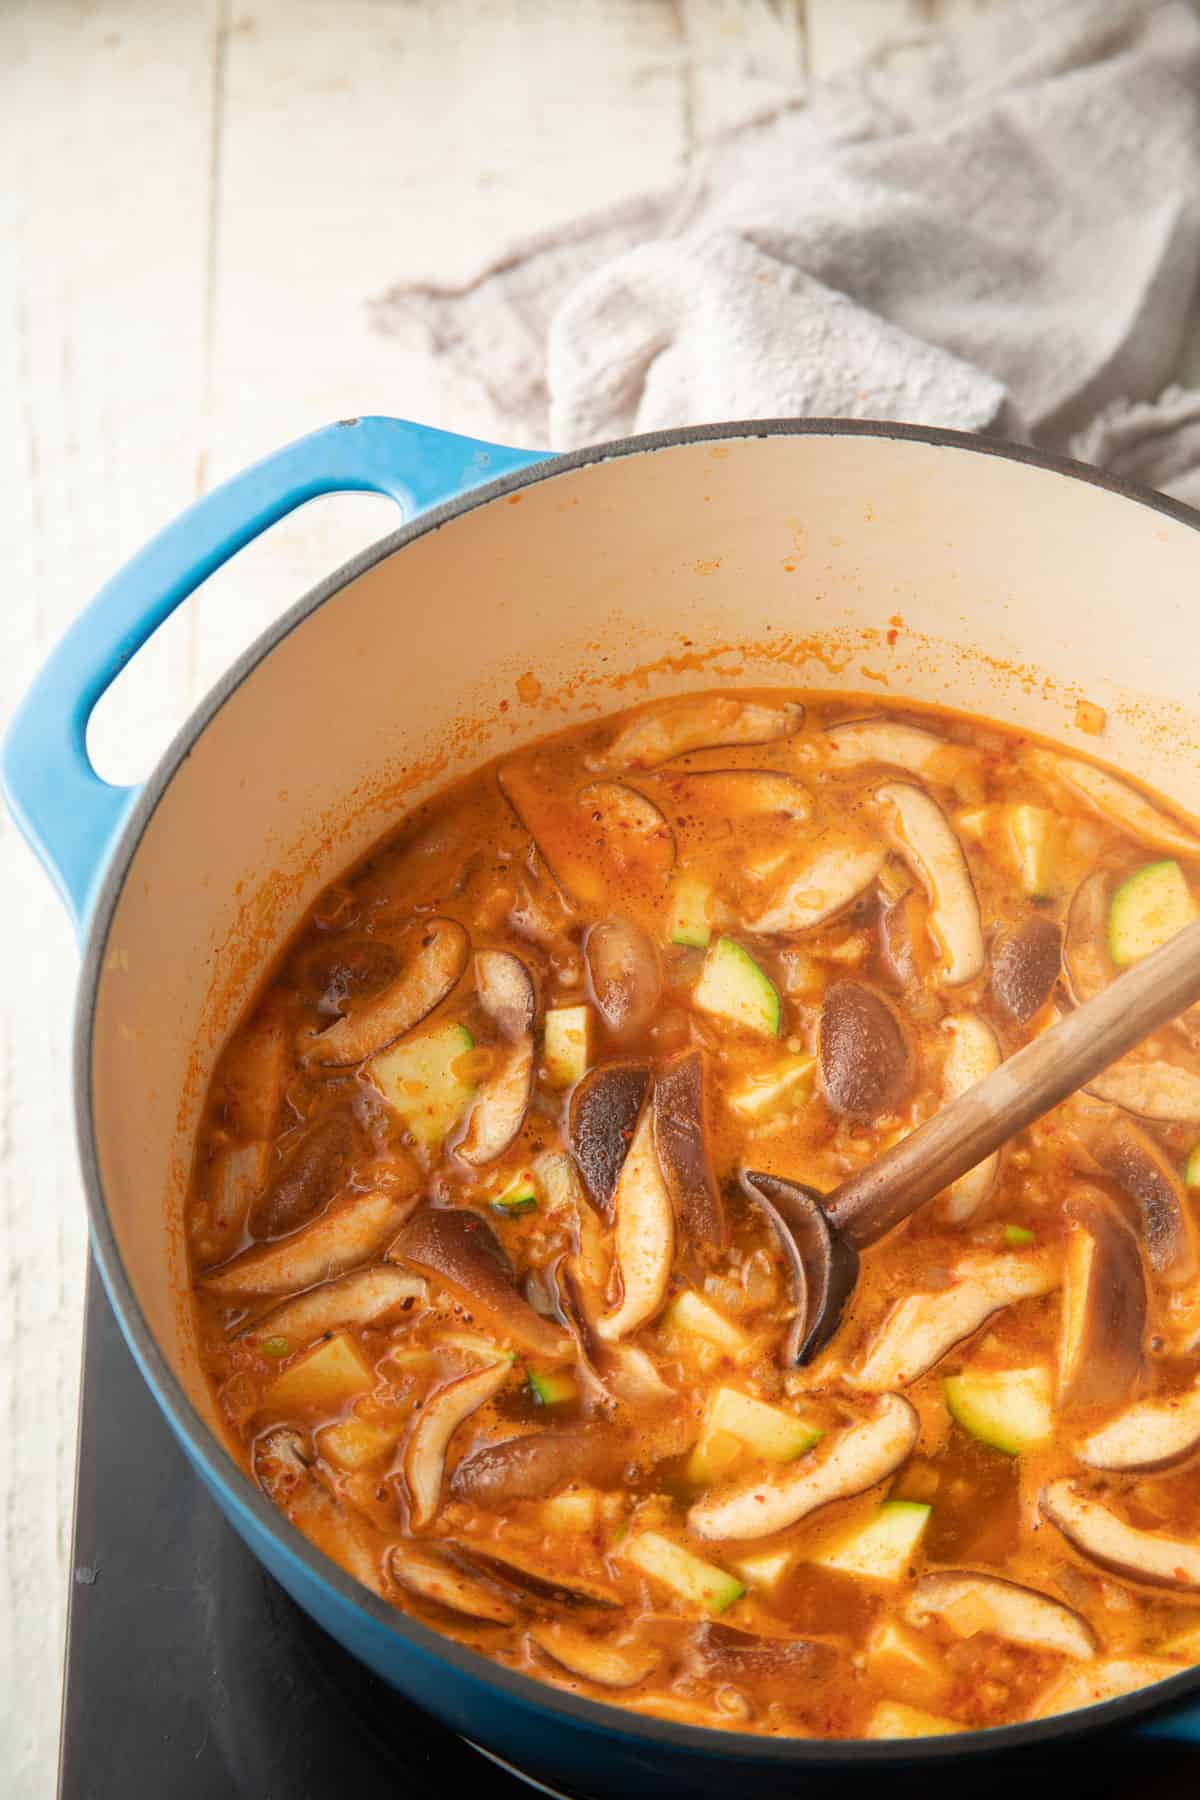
1029 1084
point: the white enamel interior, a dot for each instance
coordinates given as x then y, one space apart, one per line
1012 591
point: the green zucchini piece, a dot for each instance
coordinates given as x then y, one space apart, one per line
784 1083
766 1431
692 1316
418 1080
552 1387
521 1197
1031 829
699 1582
733 987
688 923
767 1569
1009 1409
1146 911
567 1044
1017 1236
883 1547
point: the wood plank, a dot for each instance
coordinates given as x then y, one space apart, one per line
841 32
106 142
741 57
380 143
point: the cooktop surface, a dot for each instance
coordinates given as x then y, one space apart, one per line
191 1674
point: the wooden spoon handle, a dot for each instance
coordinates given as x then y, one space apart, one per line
1054 1065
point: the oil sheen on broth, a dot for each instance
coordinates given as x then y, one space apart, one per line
501 1225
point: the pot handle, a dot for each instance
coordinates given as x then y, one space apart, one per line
71 817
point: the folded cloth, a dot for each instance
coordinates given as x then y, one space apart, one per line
996 228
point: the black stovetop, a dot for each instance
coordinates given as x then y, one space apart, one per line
190 1674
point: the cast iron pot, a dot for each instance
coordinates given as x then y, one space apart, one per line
526 593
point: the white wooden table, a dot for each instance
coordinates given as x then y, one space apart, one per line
200 197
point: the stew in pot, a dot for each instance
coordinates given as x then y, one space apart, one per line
509 1261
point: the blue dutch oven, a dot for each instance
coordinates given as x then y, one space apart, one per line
524 592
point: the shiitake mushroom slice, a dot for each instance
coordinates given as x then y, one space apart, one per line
681 1139
603 1114
1104 1305
624 973
458 1249
308 1179
865 1059
1026 960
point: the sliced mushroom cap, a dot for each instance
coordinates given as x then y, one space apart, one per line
737 793
645 1236
1148 1436
854 742
539 911
1085 950
682 1142
555 825
1148 1557
921 1328
826 883
236 1177
631 1375
498 1110
634 836
440 1417
607 1664
344 1235
432 1576
1114 800
531 1467
822 1266
1020 1614
1100 1681
626 981
506 992
616 1370
460 1251
283 1469
1026 960
559 1181
603 1115
908 951
308 1180
726 1650
923 836
844 1463
1137 1164
974 1053
432 970
1151 1088
525 1571
865 1059
359 1299
344 968
253 1071
1104 1305
566 1290
699 722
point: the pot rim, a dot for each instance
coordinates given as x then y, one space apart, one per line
202 1444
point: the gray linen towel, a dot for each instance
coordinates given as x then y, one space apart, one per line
996 229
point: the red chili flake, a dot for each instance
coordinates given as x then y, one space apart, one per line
892 635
